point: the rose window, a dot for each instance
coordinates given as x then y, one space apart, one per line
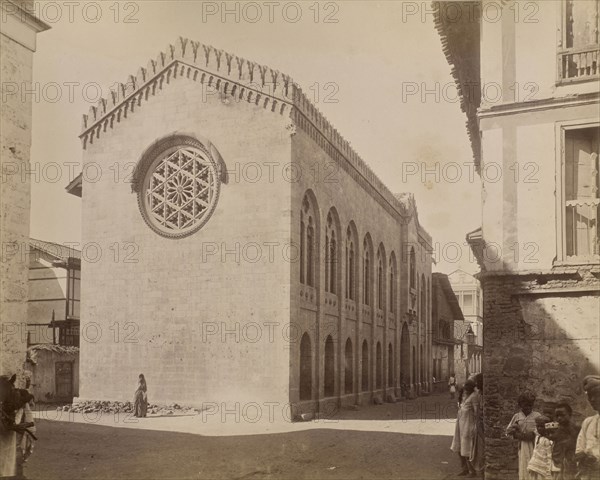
180 191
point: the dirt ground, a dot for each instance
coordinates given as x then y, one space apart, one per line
70 450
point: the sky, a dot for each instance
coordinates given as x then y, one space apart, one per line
375 69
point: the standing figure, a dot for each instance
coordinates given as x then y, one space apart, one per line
522 428
26 439
465 432
478 460
564 438
587 450
540 465
452 385
140 398
10 402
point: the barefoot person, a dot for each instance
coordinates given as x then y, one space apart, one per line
522 428
465 432
140 398
587 450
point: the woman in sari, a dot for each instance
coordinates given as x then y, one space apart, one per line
465 433
140 398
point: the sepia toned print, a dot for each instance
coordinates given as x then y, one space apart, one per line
302 240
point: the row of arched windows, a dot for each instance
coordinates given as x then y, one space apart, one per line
332 257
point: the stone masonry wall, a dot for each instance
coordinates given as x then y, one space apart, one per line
203 317
541 334
15 142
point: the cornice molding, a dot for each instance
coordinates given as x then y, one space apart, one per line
575 100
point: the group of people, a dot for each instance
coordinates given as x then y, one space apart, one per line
468 441
17 428
551 446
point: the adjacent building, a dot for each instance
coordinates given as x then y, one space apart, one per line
469 295
261 260
529 88
18 31
53 323
448 329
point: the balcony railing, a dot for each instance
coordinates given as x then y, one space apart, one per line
578 64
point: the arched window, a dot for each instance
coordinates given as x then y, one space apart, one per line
350 265
392 286
330 256
302 250
422 359
307 243
405 355
329 376
348 368
310 243
414 364
380 282
422 312
413 268
390 366
305 368
379 366
366 274
365 367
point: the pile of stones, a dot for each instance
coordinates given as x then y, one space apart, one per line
126 407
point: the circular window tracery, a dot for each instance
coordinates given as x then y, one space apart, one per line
179 191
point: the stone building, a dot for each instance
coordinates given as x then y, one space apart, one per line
529 89
261 259
470 298
18 31
447 332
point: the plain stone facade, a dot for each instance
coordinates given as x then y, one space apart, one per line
535 144
259 305
18 32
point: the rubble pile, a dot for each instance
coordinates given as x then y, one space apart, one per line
106 406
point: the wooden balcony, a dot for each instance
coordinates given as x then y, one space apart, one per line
578 64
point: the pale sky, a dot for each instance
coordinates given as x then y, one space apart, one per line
375 61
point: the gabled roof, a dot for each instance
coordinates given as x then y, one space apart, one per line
440 280
458 24
236 77
59 252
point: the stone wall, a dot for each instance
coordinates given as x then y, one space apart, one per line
541 334
15 142
203 317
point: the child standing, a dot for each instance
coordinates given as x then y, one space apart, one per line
564 438
540 465
522 428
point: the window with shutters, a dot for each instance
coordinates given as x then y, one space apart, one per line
579 201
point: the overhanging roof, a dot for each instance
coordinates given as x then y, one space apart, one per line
458 24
